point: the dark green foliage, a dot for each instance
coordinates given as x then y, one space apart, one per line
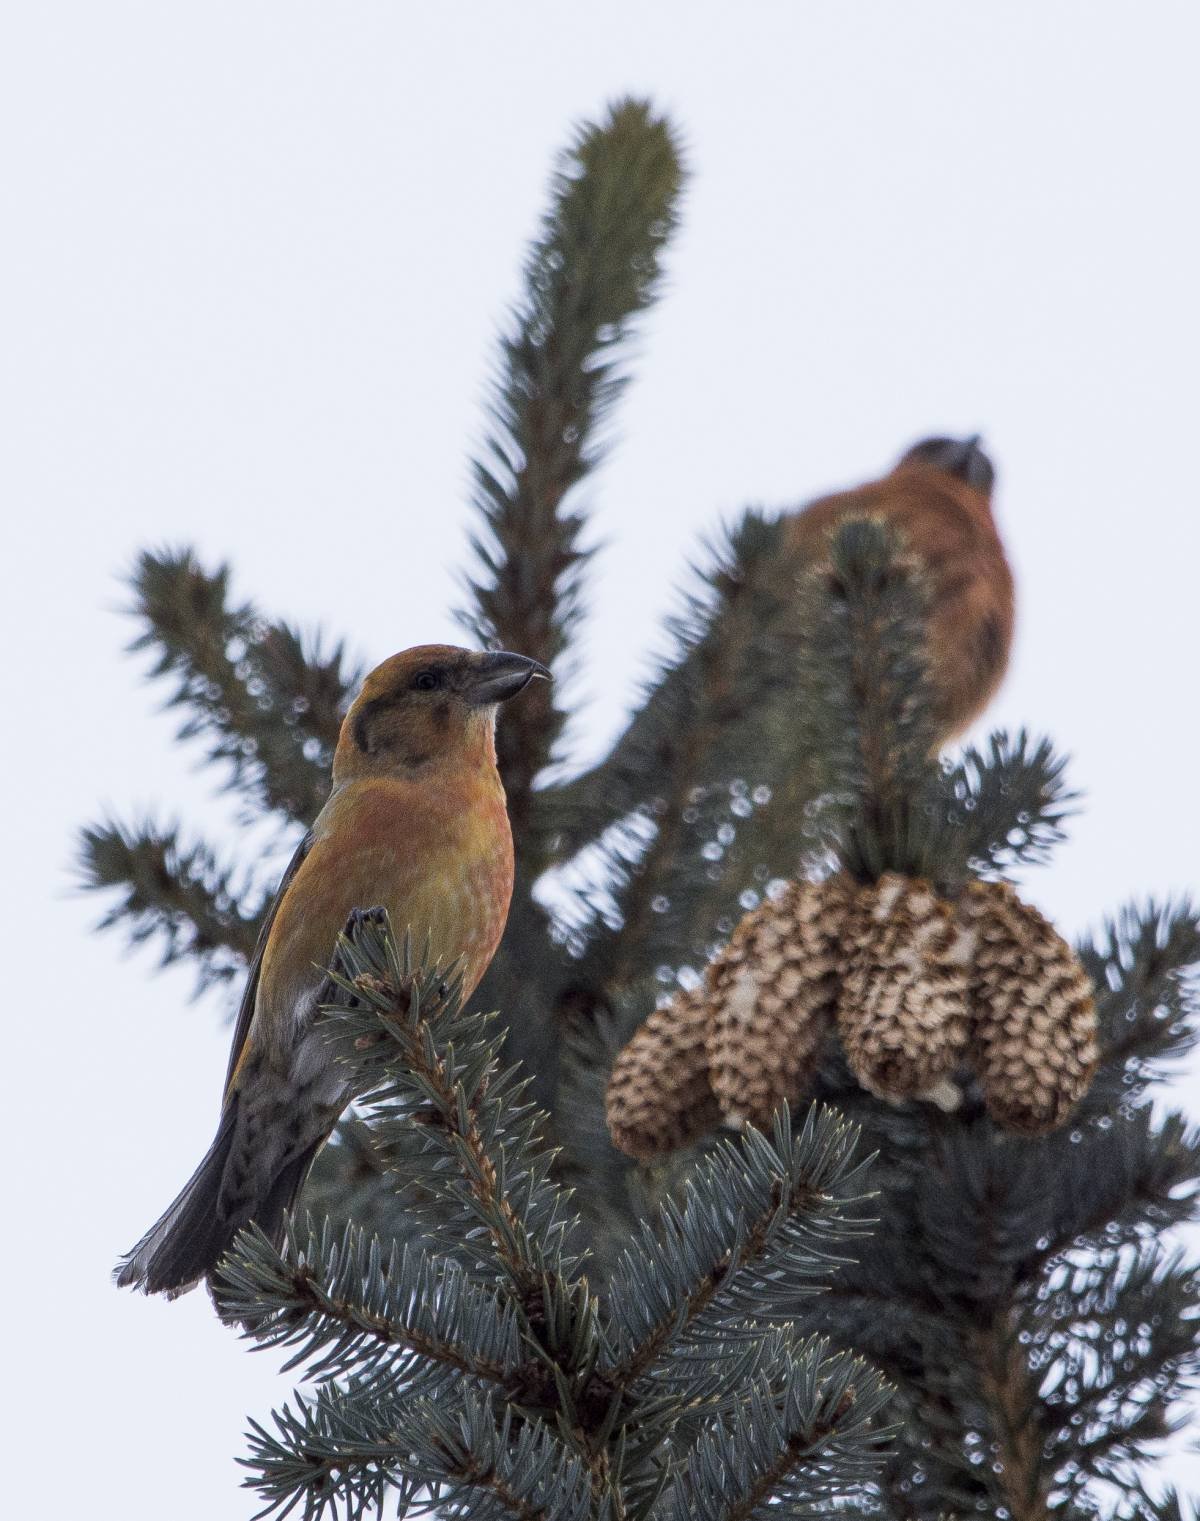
1144 966
352 1307
721 667
674 807
478 1362
1036 1327
652 1346
1017 1292
864 705
563 364
266 701
348 1183
668 1262
787 1449
1166 1507
1024 1285
176 892
1016 783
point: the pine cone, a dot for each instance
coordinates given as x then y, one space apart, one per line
1035 1041
902 1014
772 991
659 1096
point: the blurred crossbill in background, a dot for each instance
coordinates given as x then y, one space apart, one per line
416 823
939 499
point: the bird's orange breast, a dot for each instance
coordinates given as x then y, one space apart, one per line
437 854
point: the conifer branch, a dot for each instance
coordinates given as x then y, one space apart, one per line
266 700
420 1058
1167 1506
1121 1332
722 665
1122 1183
1007 803
352 1182
349 1307
1014 1410
342 1452
673 807
563 365
490 1469
735 1240
865 703
174 892
797 1446
843 765
521 1393
330 1455
1144 965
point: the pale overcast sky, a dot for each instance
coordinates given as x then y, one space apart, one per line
254 261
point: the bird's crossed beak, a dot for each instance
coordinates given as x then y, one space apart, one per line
960 457
501 675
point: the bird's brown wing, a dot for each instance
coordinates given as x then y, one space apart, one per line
246 1009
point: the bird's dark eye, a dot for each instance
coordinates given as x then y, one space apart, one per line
427 681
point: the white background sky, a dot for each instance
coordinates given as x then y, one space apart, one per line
254 259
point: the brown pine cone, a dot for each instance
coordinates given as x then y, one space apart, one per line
1035 1040
659 1096
902 1013
772 992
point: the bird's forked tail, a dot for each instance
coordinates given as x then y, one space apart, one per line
188 1241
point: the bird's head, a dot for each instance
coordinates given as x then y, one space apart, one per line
963 458
429 704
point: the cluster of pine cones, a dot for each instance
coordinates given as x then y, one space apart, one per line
916 988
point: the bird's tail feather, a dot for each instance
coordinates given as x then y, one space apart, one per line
195 1231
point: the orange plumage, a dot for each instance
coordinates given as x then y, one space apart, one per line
415 823
939 499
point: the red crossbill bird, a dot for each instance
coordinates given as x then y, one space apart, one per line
416 823
939 499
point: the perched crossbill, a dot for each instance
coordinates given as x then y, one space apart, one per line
939 499
416 823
